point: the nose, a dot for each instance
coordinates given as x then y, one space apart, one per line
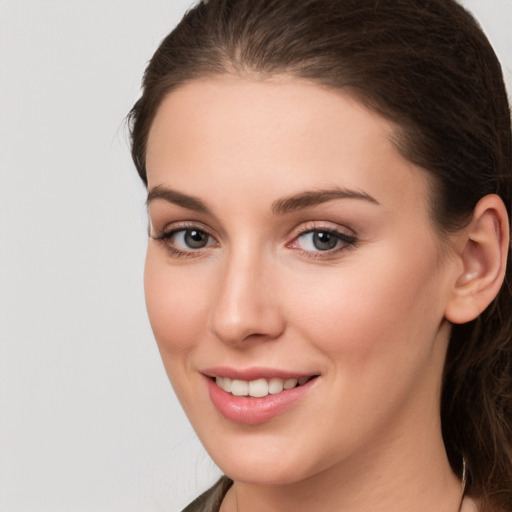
246 306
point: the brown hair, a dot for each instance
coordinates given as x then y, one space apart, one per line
427 66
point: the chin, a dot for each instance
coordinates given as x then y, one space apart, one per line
262 460
264 473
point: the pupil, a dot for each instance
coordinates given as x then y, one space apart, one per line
196 239
323 240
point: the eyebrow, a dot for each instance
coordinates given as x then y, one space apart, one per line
314 198
282 206
177 198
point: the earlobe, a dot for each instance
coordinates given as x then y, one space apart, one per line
483 256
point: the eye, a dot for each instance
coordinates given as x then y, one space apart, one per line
319 240
322 241
191 239
185 241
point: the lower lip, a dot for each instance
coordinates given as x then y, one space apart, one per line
253 411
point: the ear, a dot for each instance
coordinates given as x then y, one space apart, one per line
482 250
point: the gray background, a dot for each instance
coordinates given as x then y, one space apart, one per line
88 421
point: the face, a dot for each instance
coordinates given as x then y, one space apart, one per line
292 260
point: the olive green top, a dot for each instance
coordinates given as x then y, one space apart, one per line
211 500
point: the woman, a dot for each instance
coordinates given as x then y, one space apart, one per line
329 199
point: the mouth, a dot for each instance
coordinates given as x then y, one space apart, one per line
261 387
253 396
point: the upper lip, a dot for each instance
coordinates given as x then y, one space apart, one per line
254 373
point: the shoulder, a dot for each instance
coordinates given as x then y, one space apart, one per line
211 500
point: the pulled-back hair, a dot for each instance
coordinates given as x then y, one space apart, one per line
426 66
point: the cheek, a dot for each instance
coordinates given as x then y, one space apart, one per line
378 325
174 298
364 309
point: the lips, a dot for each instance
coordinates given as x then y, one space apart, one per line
254 396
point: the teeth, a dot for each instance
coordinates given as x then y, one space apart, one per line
227 385
275 386
290 383
258 388
240 387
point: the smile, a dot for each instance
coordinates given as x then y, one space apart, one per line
255 399
259 388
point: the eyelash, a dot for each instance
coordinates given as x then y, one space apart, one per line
345 240
166 236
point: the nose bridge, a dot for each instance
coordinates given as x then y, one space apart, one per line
245 305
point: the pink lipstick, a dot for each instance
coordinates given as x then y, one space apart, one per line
255 395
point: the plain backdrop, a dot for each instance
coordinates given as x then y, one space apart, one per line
88 421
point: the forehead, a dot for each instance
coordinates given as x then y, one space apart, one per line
280 103
221 133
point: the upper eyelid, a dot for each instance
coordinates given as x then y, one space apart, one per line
330 226
302 228
341 235
338 233
183 225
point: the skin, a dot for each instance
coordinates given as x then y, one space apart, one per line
368 317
